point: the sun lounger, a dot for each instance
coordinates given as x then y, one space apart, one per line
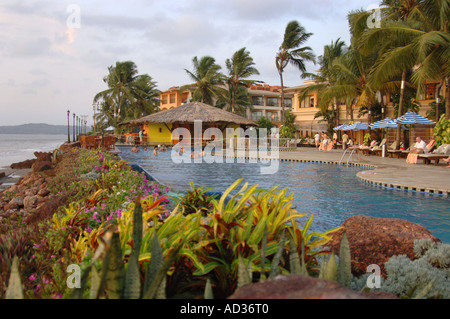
442 152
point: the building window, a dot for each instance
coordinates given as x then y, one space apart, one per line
431 92
288 103
307 102
273 116
257 100
164 99
172 98
256 115
272 101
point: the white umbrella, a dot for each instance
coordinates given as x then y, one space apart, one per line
413 118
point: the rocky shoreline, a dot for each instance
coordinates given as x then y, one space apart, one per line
30 199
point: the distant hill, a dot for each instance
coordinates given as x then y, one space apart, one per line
38 128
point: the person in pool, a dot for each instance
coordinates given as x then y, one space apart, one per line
155 151
135 148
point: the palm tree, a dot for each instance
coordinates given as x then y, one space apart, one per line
239 98
415 37
292 52
146 96
119 80
240 67
325 79
207 77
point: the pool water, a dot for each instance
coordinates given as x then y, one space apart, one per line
332 193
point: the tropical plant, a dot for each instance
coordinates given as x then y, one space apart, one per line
196 199
240 67
264 123
442 131
292 52
128 94
241 101
207 77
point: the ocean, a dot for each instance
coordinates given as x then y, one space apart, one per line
20 147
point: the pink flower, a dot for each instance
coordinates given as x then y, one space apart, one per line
32 277
167 189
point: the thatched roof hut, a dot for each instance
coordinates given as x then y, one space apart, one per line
190 112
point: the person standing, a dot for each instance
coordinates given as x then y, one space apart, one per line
344 141
317 139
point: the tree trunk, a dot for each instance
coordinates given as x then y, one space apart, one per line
447 98
337 108
282 97
400 109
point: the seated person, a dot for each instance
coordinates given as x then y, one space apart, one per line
419 148
135 148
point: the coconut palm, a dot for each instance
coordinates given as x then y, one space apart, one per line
207 77
120 80
146 97
414 36
240 67
239 98
292 52
325 79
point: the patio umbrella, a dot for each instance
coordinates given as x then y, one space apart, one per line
413 118
358 126
386 123
339 128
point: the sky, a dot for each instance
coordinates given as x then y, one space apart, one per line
54 54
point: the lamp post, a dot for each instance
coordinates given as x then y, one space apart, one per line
73 127
68 126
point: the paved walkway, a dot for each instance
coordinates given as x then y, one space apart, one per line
388 172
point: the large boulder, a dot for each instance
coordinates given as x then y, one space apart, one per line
24 164
374 240
40 166
44 156
302 287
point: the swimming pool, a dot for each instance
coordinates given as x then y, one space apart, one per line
332 193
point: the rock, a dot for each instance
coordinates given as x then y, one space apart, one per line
302 287
43 192
23 165
374 240
17 200
40 166
31 191
30 202
43 156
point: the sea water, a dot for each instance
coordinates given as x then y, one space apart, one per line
20 147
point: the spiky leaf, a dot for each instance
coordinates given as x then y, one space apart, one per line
345 270
15 290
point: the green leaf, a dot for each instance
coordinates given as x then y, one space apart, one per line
243 273
14 290
330 271
113 269
277 258
345 268
132 277
208 290
161 274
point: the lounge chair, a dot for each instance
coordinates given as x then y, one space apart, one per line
441 153
376 149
